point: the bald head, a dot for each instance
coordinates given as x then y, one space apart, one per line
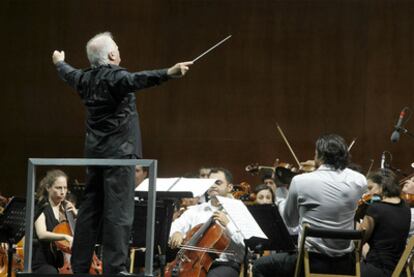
102 50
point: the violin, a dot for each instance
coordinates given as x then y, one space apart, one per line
282 170
366 200
406 196
183 205
242 192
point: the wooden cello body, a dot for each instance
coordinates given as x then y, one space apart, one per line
67 227
206 242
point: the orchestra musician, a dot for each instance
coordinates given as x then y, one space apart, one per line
140 174
51 207
203 172
326 198
264 194
112 131
386 224
225 265
408 189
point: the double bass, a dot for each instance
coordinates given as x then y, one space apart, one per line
194 259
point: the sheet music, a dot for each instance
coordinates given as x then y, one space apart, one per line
163 184
241 217
196 186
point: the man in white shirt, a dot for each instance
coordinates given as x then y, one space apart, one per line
326 198
224 265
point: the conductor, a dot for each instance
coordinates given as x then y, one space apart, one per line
112 131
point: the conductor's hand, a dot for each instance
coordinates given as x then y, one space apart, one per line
58 56
221 218
179 70
176 240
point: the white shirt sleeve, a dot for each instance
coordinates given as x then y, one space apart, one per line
183 223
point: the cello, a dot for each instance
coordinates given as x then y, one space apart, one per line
67 227
196 256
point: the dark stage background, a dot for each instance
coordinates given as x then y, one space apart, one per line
312 66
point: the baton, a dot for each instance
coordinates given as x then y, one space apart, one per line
211 48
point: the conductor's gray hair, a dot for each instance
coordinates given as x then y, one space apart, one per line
98 49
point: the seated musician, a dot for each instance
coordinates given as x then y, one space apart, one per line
51 207
386 224
326 198
264 195
408 190
225 265
140 174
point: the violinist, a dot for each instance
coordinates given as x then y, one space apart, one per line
203 172
225 265
386 224
264 195
325 198
51 207
408 190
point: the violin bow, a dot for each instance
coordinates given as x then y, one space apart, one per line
351 144
288 145
370 167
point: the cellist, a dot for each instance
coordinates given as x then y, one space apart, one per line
51 207
225 265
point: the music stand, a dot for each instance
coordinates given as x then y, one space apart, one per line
12 226
272 224
164 211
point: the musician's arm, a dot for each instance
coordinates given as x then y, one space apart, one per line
288 207
43 234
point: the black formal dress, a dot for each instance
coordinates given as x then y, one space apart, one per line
112 131
46 258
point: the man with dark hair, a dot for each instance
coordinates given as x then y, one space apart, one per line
141 173
203 172
325 198
225 265
112 131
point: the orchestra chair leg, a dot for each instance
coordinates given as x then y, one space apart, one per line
405 260
132 260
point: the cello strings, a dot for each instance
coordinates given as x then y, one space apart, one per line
205 249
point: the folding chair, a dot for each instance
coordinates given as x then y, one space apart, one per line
303 255
405 260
